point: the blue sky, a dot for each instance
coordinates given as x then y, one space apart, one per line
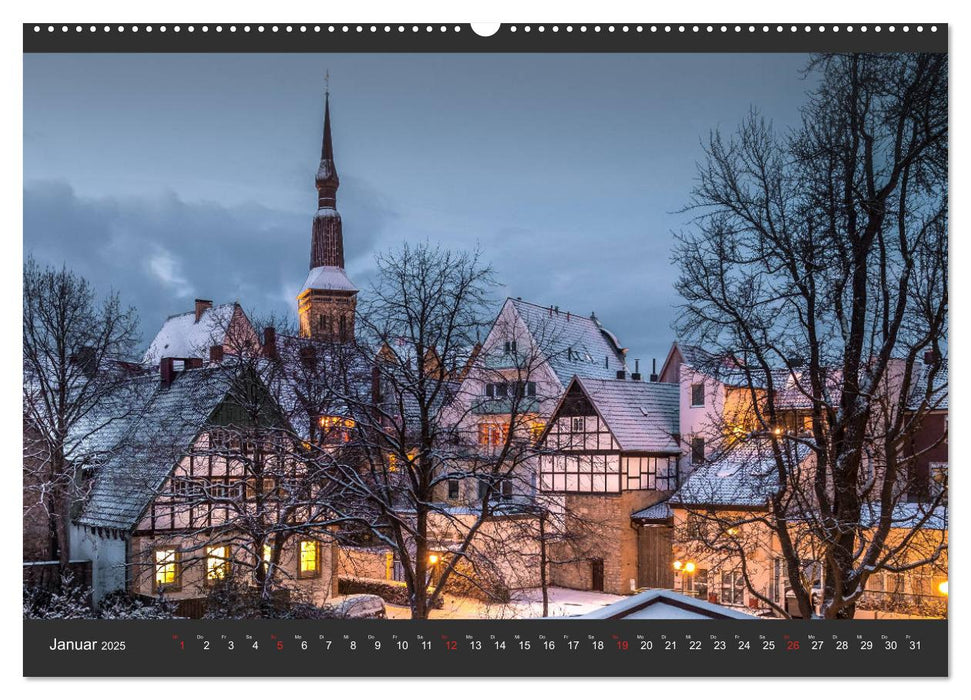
173 176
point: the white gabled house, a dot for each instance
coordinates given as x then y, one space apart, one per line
525 364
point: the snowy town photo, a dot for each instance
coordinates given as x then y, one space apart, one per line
489 336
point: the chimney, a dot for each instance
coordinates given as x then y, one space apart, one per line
930 357
86 359
269 342
192 363
202 305
166 368
216 354
654 369
376 384
636 376
621 374
308 356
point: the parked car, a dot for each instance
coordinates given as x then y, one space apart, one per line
363 605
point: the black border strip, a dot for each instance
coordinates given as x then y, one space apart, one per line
460 38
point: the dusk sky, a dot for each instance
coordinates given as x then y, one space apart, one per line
170 177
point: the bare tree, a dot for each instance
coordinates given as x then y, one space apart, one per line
411 434
816 270
74 348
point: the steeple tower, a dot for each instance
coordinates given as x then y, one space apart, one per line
327 303
327 246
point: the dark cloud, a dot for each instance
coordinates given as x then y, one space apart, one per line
161 252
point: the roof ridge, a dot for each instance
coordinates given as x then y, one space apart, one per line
192 312
573 315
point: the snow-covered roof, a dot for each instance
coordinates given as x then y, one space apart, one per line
658 513
329 378
743 477
574 344
906 516
92 437
330 278
161 433
182 336
642 416
660 604
721 368
938 399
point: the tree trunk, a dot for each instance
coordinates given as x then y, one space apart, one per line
544 584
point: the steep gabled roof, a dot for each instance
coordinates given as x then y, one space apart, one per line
182 336
163 432
574 344
744 477
642 416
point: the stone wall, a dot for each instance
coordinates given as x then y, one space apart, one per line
599 527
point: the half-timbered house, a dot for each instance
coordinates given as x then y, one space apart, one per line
611 449
189 496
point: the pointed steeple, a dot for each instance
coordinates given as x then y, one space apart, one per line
328 301
327 180
327 244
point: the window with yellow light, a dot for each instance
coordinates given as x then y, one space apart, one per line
335 430
217 563
309 566
166 568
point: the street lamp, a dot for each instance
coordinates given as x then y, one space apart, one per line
433 559
687 568
942 588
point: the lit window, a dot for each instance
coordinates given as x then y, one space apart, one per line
309 559
166 568
492 434
267 554
335 430
698 394
536 429
217 563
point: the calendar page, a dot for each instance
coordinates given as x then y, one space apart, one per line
631 359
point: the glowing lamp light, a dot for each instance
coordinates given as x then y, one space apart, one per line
433 559
732 531
689 567
677 566
777 431
942 588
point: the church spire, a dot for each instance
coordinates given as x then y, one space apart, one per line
327 245
328 301
327 180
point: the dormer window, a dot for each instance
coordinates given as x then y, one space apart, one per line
510 346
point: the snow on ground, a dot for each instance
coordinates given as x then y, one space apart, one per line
526 603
